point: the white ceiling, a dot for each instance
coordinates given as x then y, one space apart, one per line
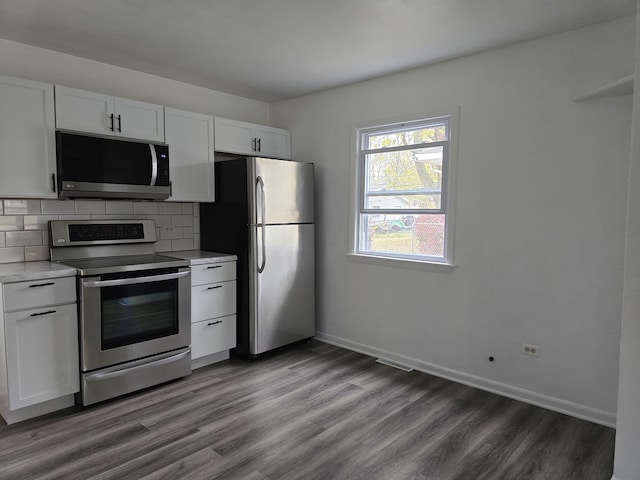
274 49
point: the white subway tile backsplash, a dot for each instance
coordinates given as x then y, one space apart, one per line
170 208
182 220
24 224
38 222
11 254
161 220
91 207
182 244
58 206
146 208
163 246
170 233
21 239
34 254
11 223
122 207
22 207
105 217
74 217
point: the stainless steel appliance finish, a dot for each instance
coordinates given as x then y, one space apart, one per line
134 306
99 167
264 214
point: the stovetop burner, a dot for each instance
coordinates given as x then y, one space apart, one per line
96 247
125 263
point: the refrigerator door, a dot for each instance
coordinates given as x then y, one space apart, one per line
282 291
280 190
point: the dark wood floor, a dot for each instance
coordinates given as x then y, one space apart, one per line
315 412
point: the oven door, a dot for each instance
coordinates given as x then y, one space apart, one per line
128 316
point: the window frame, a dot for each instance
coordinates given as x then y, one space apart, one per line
360 135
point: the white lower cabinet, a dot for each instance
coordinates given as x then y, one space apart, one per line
213 308
39 347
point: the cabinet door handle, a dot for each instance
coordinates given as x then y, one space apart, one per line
255 145
42 284
259 145
120 123
53 182
215 266
111 118
214 287
214 323
48 312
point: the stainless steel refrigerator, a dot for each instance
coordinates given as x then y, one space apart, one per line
264 214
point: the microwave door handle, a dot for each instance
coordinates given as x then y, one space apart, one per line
131 281
154 165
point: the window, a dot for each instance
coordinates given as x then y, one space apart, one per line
404 190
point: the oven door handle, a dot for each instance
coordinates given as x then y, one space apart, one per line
134 280
94 377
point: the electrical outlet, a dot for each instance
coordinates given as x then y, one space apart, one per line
169 229
532 350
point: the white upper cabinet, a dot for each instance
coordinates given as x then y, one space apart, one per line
191 169
233 136
91 112
27 139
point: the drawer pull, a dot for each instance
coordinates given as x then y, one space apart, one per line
214 323
215 266
214 287
41 284
48 312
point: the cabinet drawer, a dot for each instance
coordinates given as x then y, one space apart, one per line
213 272
50 291
213 300
212 336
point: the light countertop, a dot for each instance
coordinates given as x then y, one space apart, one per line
199 257
28 271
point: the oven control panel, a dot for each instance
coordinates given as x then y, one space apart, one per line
66 233
106 231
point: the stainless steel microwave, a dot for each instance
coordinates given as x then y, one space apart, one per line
99 167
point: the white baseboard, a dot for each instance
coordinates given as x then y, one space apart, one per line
577 410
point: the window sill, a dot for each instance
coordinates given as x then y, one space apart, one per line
402 263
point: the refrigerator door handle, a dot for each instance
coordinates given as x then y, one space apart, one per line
260 183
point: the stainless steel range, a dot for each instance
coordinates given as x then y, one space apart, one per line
134 305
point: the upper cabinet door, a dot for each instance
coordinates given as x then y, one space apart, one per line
141 120
191 169
84 111
233 136
273 142
90 112
27 139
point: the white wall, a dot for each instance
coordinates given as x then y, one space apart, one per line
33 63
627 460
539 234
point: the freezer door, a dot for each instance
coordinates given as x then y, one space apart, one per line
280 191
282 290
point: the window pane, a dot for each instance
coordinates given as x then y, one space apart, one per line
415 235
404 179
436 132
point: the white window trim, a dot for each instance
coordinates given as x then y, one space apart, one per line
443 266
